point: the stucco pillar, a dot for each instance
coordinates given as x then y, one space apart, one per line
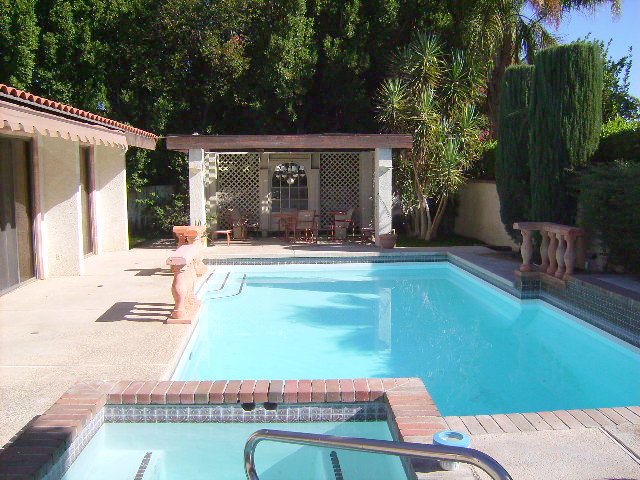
366 189
382 167
265 197
197 204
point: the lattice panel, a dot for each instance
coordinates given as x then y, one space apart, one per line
237 185
339 184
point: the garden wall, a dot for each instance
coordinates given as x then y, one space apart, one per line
479 214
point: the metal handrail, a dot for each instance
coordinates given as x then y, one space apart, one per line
385 447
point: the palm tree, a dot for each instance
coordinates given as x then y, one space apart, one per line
500 34
431 94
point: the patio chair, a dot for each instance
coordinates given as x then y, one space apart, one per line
287 222
307 224
240 223
342 221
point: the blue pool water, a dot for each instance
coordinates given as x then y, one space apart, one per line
210 451
478 349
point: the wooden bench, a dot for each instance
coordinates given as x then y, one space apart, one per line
221 232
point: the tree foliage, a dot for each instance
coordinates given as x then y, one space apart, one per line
565 122
512 155
432 94
610 210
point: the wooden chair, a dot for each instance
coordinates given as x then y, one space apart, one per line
342 221
240 223
307 224
287 222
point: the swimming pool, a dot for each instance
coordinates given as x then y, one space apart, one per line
209 451
477 349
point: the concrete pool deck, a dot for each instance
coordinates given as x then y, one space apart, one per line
108 325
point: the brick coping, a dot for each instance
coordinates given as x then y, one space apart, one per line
43 442
412 414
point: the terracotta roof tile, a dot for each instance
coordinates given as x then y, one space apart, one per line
14 92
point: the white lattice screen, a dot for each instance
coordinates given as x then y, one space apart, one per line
339 184
237 185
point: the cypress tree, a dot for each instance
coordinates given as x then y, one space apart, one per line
512 154
565 122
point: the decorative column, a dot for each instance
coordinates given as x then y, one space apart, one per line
526 250
562 247
197 202
382 167
544 250
553 263
570 255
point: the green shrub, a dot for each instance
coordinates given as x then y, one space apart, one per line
485 167
512 154
165 213
565 122
619 140
610 210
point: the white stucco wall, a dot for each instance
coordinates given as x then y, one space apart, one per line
60 197
479 215
111 199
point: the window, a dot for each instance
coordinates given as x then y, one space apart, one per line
289 187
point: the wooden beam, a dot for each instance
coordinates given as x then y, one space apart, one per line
221 143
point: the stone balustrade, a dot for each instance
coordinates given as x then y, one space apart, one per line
557 248
187 265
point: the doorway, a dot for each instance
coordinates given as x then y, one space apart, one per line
16 214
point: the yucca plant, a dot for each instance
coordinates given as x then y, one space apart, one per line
431 95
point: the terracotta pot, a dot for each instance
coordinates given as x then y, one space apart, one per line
388 240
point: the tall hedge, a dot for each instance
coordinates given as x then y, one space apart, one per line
565 122
512 153
619 140
610 209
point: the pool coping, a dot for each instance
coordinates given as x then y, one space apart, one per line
48 445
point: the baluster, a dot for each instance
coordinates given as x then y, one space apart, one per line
570 255
553 263
526 250
544 251
180 289
562 247
194 238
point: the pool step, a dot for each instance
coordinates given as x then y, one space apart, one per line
226 290
335 463
223 284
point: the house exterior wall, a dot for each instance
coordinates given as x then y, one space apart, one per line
60 200
479 215
111 199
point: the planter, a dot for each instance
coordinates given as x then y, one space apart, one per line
388 240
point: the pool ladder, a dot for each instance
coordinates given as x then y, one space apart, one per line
385 447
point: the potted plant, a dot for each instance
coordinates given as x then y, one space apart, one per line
388 240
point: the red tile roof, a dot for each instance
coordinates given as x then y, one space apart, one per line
14 92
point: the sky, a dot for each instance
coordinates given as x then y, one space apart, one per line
624 30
